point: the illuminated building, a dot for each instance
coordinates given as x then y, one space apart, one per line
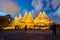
42 21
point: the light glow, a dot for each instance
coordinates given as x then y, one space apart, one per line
41 20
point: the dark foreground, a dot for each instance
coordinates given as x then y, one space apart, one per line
29 35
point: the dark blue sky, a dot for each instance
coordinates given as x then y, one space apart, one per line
27 5
24 4
51 7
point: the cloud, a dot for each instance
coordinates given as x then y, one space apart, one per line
57 12
9 6
35 13
50 5
55 16
55 3
38 6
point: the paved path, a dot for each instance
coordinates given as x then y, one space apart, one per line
29 35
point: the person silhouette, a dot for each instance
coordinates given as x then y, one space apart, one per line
54 29
25 27
0 28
